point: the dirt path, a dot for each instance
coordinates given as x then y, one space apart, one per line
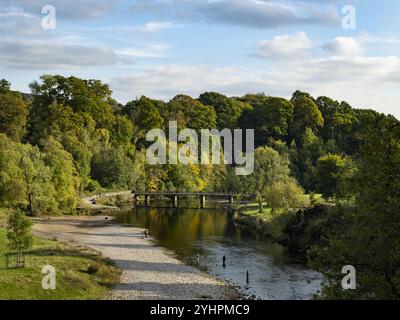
149 272
90 201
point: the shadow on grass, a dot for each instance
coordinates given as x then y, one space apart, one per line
69 253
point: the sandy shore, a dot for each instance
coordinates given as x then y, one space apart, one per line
148 271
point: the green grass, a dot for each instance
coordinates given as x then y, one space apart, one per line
271 224
73 280
254 209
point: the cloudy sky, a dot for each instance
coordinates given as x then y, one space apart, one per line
160 48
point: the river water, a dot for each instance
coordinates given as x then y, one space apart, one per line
203 237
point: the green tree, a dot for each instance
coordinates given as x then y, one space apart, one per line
80 146
300 95
37 181
228 110
286 195
304 159
4 86
340 124
83 96
19 233
269 167
330 172
305 115
113 168
13 114
184 178
56 120
145 115
270 117
25 180
122 133
64 175
11 181
190 113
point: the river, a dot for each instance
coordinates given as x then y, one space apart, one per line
202 237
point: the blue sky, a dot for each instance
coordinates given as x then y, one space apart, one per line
161 48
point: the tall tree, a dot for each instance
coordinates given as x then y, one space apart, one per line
25 180
330 171
13 113
145 115
11 182
40 194
190 113
64 175
228 110
83 96
340 124
113 168
304 159
4 86
270 117
305 115
269 167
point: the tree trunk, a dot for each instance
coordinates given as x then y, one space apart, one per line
30 205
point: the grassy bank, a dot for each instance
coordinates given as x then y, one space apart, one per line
270 224
73 279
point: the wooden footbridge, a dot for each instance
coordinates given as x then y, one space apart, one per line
175 196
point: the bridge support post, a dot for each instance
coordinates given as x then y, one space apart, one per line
202 201
147 200
231 200
175 200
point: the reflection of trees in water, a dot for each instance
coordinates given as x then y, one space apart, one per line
175 228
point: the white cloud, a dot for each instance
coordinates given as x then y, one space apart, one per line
285 46
148 51
344 47
13 12
155 26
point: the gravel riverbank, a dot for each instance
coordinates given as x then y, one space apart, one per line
148 271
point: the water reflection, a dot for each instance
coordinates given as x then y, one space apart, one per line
203 237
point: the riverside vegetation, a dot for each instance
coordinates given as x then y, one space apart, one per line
326 176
